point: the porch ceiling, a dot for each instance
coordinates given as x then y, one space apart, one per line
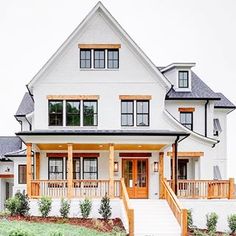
100 146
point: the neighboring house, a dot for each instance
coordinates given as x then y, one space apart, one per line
99 110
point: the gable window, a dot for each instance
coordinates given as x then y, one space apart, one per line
142 111
22 174
85 58
113 58
55 113
186 119
183 79
90 168
99 58
90 113
55 168
73 113
127 113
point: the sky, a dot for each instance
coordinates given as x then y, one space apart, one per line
201 31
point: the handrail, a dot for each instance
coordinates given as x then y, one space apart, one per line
129 211
179 212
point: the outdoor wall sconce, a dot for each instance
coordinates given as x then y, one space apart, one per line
155 166
116 166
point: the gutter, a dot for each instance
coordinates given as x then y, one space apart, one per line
176 164
206 117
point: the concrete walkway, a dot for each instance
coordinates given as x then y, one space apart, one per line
154 217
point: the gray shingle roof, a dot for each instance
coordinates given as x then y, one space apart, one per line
9 144
199 91
26 106
224 102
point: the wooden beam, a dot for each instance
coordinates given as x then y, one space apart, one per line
186 109
70 170
161 174
111 170
28 168
173 168
75 154
231 188
99 46
187 154
6 176
135 97
135 154
37 162
73 97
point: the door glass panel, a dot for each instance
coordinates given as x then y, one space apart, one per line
128 173
141 173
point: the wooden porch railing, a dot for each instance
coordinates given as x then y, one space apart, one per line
179 212
129 211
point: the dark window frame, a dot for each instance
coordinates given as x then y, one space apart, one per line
90 60
56 158
79 114
184 124
93 113
94 59
179 79
22 165
49 101
74 172
108 59
90 158
137 101
125 113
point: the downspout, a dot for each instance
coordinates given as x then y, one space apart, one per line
206 117
176 164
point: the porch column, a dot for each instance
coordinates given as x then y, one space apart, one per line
28 168
37 163
70 170
174 167
161 174
111 170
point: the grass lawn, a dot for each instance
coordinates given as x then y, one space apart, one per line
47 229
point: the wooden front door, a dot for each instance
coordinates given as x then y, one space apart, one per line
135 174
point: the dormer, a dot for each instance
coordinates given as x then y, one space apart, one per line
180 76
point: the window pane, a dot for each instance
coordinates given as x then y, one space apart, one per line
142 107
183 79
73 113
55 113
22 174
113 58
55 168
90 113
85 58
90 168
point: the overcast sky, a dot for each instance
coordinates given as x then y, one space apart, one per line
201 31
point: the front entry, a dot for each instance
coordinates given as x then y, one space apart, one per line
135 174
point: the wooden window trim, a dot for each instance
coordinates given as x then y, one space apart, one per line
187 154
75 155
186 109
73 97
99 46
135 97
135 154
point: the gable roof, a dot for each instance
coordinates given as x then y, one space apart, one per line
100 7
224 102
200 91
9 144
26 106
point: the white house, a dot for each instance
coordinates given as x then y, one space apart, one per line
99 110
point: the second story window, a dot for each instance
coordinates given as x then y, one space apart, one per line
183 79
99 58
113 58
186 119
127 113
90 113
72 113
85 58
56 113
142 110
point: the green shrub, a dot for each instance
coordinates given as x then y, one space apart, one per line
45 205
199 233
24 204
85 207
190 219
12 205
19 232
105 208
57 233
65 208
212 219
232 222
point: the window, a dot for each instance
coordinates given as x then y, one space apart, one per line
72 113
90 168
76 168
186 119
112 59
142 110
22 174
85 58
216 127
90 113
182 169
55 168
183 79
127 113
99 58
55 113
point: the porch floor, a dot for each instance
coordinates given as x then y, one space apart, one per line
154 217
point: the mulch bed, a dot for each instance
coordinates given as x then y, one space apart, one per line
190 233
100 225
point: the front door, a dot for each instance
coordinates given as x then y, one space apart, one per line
135 174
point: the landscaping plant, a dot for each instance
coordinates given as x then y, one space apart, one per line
105 208
232 222
19 232
190 219
24 208
65 208
212 219
12 205
45 205
85 207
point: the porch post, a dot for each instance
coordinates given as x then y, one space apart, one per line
161 174
174 167
70 169
28 168
37 162
111 170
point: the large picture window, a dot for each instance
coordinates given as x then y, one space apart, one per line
90 113
99 58
127 113
90 168
186 119
183 79
72 113
142 110
22 174
55 168
85 58
55 113
113 58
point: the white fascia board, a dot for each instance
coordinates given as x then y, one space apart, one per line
175 65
